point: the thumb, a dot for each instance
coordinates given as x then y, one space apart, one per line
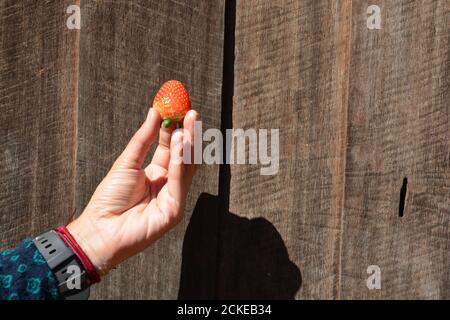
134 154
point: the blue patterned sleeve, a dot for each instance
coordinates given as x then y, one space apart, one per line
25 275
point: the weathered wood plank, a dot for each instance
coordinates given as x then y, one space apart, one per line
399 126
290 73
127 50
38 97
358 110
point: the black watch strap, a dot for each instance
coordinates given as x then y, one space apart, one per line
73 281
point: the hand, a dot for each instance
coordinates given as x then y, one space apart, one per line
133 206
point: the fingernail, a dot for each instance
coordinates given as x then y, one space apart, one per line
196 115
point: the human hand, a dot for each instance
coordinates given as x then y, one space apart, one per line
134 206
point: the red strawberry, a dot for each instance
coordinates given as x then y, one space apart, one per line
172 101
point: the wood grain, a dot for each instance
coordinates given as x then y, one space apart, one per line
358 110
290 73
127 50
38 99
398 126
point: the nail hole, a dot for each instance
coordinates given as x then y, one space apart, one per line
403 191
52 251
48 246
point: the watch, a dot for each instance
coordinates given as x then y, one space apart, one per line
73 281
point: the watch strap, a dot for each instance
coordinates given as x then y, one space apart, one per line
73 282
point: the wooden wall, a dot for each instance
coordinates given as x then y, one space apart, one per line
71 99
38 106
358 110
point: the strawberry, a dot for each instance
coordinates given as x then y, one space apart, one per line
172 102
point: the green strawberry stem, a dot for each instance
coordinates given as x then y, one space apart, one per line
166 123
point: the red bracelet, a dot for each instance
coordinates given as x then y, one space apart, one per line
65 235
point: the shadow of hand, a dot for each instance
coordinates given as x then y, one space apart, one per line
246 259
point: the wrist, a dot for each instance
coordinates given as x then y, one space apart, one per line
90 243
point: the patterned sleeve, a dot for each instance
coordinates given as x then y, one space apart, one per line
25 275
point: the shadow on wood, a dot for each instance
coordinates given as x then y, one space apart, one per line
247 259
